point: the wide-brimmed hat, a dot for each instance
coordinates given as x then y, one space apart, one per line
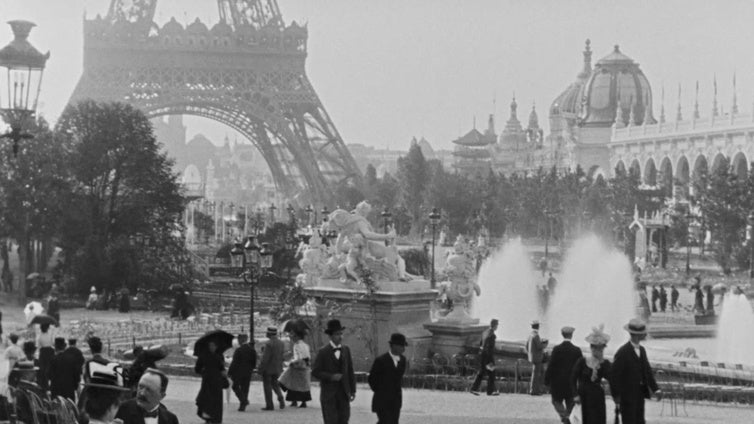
598 337
636 326
272 331
398 339
334 326
106 376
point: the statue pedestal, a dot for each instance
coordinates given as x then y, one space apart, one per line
452 337
369 320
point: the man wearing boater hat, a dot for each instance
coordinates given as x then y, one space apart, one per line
385 380
333 367
632 379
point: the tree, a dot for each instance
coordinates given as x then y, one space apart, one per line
34 185
124 197
413 176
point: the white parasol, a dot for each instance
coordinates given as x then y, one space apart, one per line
33 309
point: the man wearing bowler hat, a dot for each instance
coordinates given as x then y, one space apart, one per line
385 380
334 369
271 366
632 379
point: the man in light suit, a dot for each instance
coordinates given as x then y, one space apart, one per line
146 407
386 379
535 351
271 366
334 369
558 374
631 377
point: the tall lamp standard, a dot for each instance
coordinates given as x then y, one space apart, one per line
386 215
434 218
21 69
256 262
750 236
272 213
309 210
325 214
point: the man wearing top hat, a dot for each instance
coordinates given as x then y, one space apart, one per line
271 366
385 380
147 407
334 369
558 374
103 393
632 379
535 351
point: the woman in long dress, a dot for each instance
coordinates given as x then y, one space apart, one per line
297 378
45 340
587 377
209 401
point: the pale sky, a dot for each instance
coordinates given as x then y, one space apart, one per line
387 70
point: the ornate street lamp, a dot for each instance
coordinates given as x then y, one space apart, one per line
21 69
434 218
291 212
257 261
272 213
750 236
309 210
386 215
325 214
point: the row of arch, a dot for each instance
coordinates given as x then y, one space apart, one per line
665 174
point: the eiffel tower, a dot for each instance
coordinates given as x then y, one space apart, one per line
247 72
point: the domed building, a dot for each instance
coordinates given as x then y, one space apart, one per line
615 93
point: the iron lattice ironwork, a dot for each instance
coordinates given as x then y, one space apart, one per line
246 72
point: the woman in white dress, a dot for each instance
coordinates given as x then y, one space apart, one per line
45 341
297 378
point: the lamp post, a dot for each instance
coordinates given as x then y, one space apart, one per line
291 214
21 69
272 213
325 214
309 210
256 262
750 236
434 218
386 215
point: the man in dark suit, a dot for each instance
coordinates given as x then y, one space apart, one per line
334 369
385 380
632 379
558 374
487 362
95 345
243 364
271 366
535 352
65 371
146 408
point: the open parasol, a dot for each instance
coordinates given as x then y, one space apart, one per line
298 325
33 309
44 319
719 288
222 339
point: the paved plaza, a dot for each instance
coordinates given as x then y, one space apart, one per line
435 407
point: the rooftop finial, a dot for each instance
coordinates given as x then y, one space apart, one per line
514 106
696 101
662 104
587 70
616 49
714 97
734 106
678 115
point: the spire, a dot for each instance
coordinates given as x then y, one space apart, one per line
696 101
587 70
647 111
491 124
662 105
714 97
734 106
678 115
533 118
632 113
514 106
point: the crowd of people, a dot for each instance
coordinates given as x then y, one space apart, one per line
577 380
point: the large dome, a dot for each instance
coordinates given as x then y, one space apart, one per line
616 83
568 103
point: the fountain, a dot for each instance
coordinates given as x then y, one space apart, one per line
509 291
595 287
735 340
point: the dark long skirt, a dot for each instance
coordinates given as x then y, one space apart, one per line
46 355
590 392
209 401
